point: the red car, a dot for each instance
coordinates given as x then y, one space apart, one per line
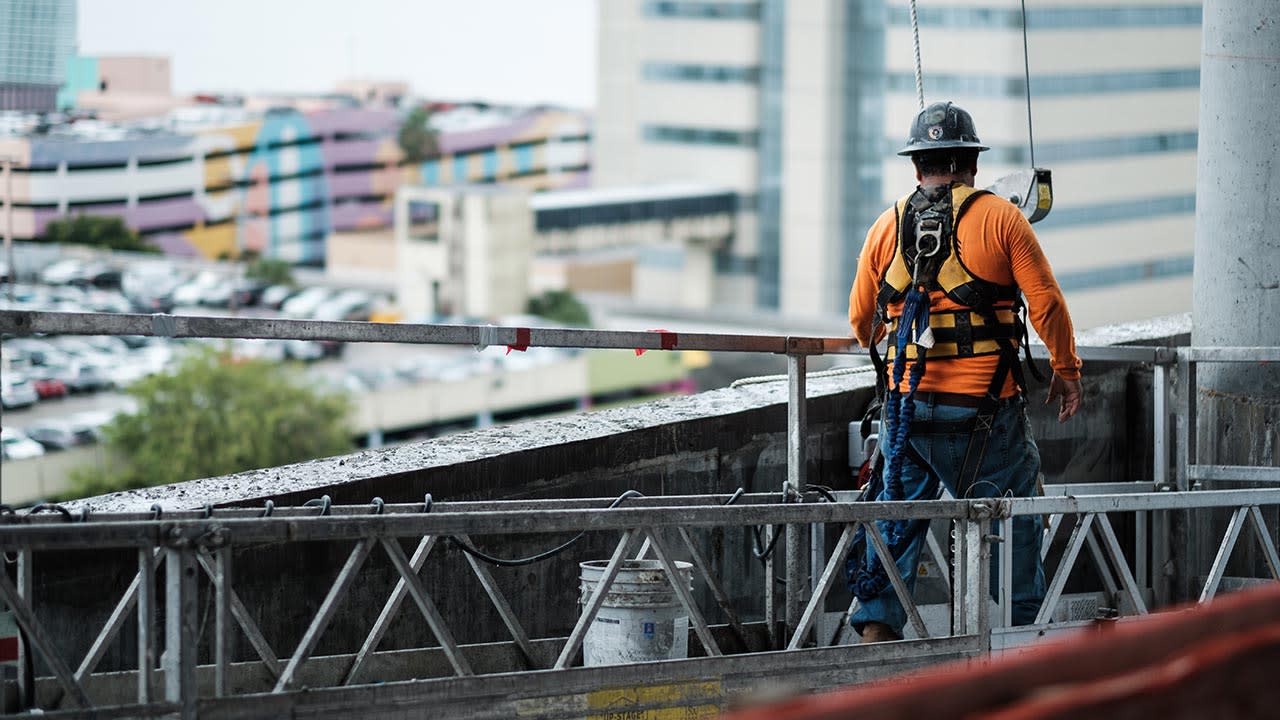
49 387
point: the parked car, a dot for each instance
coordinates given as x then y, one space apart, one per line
99 275
258 349
275 296
304 350
193 291
60 434
346 305
105 301
248 291
17 446
47 383
157 302
63 272
35 351
16 391
149 285
305 303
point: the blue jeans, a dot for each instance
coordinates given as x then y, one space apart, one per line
1010 466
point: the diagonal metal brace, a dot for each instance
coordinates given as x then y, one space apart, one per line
819 599
328 608
389 611
428 608
895 579
246 622
595 602
518 634
41 641
686 597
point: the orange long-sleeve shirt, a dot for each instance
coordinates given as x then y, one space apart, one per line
997 244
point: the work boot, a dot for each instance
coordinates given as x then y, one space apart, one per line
874 632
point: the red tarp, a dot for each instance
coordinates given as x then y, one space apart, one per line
1219 661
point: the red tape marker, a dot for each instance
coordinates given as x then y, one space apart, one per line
522 341
668 341
8 649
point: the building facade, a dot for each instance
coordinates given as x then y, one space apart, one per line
37 38
801 106
278 182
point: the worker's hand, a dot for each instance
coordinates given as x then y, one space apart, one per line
1069 395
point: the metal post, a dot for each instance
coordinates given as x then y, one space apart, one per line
1192 391
26 659
222 619
181 632
1159 425
796 467
770 592
146 625
971 606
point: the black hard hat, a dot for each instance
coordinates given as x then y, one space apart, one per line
941 126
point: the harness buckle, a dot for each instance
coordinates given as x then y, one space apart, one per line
928 236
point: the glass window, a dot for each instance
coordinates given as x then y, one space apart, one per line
702 10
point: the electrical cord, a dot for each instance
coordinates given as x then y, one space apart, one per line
758 550
518 562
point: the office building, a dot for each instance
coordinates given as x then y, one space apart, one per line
800 107
37 38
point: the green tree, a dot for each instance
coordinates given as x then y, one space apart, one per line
215 415
561 306
416 138
273 272
102 231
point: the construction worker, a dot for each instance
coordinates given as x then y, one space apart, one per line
940 275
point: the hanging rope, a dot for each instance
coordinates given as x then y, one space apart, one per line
1026 71
915 38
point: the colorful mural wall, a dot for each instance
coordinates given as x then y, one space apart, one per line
281 184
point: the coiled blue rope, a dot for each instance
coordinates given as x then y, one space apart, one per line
868 582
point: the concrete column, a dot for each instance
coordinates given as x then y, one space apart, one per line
1236 288
1237 255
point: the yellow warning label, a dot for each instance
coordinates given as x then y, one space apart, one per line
682 701
678 701
1045 200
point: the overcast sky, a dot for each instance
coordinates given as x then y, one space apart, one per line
520 51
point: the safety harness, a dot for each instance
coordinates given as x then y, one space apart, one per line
989 322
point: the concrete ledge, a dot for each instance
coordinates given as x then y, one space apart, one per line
542 450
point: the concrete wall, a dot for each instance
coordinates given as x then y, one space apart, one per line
25 481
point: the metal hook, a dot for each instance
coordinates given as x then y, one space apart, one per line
427 503
51 507
378 506
156 511
267 508
323 501
208 510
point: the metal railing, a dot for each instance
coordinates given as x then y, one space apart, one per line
182 546
178 548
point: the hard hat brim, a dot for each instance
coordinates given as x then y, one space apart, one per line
920 147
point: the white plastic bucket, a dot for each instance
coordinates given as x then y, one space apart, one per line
641 619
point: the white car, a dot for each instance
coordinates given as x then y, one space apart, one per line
17 446
192 292
16 391
304 304
62 272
